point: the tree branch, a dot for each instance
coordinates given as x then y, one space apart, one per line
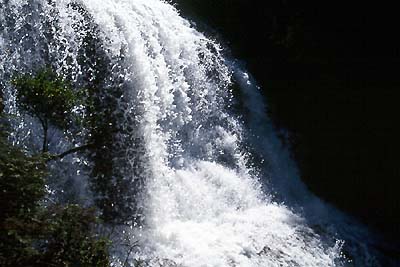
70 151
45 129
45 147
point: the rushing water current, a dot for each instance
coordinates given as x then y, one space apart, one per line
211 181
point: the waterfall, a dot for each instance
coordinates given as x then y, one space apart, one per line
201 177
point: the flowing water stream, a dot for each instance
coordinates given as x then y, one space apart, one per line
209 179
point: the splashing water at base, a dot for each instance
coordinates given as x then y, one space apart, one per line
212 180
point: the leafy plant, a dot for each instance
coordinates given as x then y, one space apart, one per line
32 234
47 97
69 238
21 181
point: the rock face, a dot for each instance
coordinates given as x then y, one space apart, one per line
329 74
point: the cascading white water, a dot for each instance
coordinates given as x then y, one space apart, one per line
212 183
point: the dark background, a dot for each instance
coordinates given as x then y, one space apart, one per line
330 72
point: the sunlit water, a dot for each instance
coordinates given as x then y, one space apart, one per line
217 187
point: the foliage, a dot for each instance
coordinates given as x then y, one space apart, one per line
32 234
46 96
69 239
49 98
56 236
21 181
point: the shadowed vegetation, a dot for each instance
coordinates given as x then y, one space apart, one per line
34 231
47 97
